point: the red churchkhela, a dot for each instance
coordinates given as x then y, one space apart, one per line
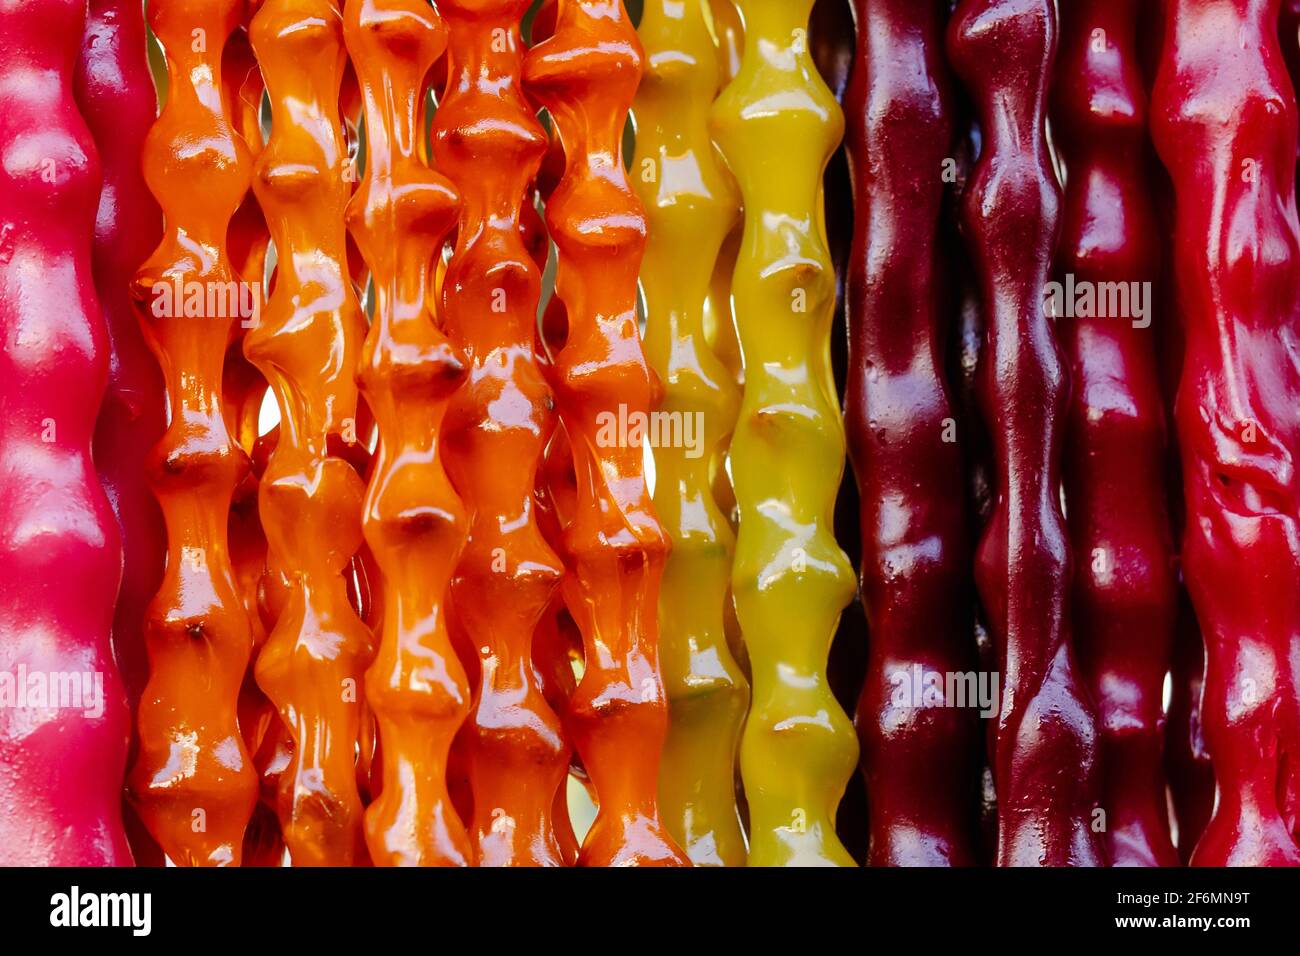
920 763
115 93
1124 586
64 723
1045 740
1224 123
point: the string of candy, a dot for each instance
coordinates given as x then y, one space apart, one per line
412 519
116 96
193 781
719 322
585 74
790 579
691 206
307 345
488 141
60 765
363 576
1224 122
1044 748
1124 597
243 391
918 760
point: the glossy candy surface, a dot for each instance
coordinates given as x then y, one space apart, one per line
497 556
262 589
777 124
193 781
488 141
719 316
1124 606
585 74
115 94
691 206
413 520
307 345
919 760
64 723
1044 749
1224 123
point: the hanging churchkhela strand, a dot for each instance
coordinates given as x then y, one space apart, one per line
307 346
1124 597
691 205
193 781
919 760
585 73
61 758
243 389
488 141
116 96
790 578
1224 123
413 520
1045 740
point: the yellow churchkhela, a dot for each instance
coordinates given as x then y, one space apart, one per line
691 205
777 125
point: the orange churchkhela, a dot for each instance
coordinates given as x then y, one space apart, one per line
487 139
193 781
586 73
413 520
307 345
243 389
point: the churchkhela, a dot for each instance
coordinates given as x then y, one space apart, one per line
777 123
426 421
